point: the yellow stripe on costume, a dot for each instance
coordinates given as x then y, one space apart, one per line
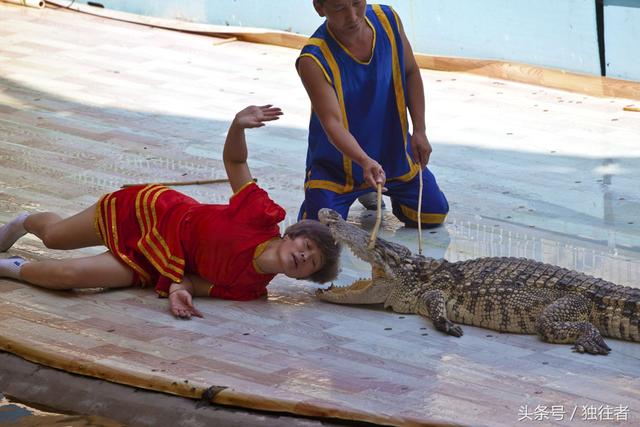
373 45
150 233
326 75
160 239
258 251
325 185
426 218
332 186
401 103
142 213
98 222
245 185
328 56
415 167
145 226
114 230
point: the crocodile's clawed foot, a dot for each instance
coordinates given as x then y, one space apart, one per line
448 327
592 345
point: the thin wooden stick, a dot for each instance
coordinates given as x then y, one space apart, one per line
225 40
420 214
632 108
374 233
175 183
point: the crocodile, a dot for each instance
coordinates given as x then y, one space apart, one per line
505 294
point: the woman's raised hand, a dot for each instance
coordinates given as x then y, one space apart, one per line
256 116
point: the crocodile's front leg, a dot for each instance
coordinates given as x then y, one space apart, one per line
433 304
566 321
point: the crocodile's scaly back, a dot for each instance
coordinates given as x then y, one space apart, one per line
505 294
516 291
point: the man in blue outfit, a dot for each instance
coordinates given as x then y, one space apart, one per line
361 76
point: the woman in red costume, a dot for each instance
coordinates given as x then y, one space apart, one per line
159 237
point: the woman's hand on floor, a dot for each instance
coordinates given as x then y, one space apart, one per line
181 305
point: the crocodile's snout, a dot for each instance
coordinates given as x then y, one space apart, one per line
328 216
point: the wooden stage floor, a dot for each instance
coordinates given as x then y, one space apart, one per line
88 104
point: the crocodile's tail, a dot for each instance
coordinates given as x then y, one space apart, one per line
617 313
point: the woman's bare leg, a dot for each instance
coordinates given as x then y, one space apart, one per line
12 231
98 271
74 232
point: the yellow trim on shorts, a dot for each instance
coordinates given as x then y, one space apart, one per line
426 218
110 208
146 233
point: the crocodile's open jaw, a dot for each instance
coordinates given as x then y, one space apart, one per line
350 236
383 257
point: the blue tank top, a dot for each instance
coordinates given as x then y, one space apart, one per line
372 98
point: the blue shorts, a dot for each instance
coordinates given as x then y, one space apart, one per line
404 201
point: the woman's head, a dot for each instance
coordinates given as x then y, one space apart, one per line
309 252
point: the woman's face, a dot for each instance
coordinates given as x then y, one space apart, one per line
300 257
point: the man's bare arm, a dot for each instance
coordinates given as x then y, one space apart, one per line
415 103
326 106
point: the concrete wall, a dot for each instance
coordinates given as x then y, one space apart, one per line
552 33
622 38
560 34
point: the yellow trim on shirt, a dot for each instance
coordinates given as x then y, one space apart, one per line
326 75
335 70
401 103
348 52
245 185
259 250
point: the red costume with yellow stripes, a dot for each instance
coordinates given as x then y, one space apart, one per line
163 234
